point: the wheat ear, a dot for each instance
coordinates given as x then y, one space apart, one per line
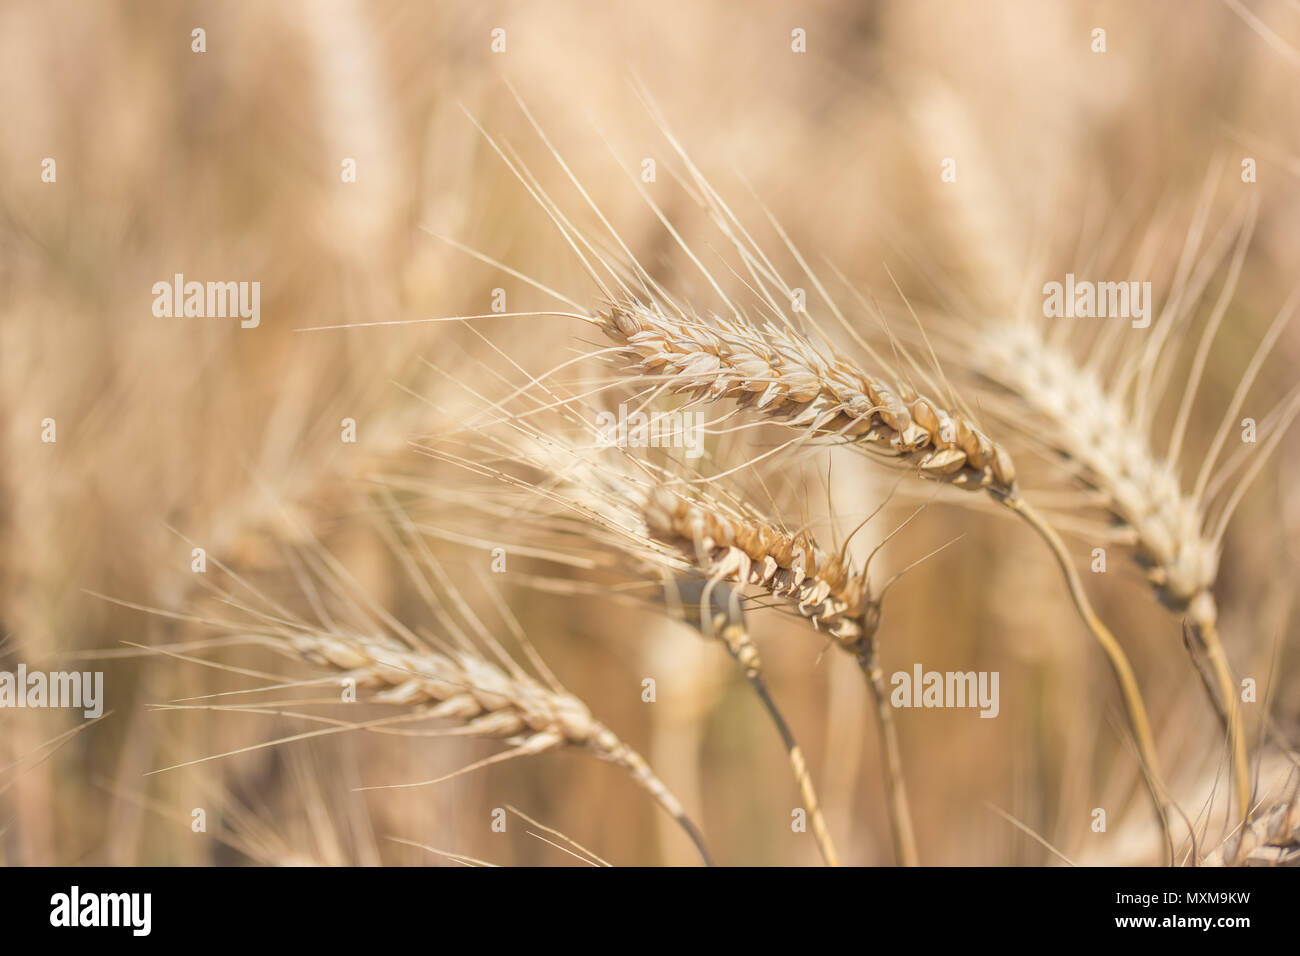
827 591
786 378
465 675
735 545
1092 428
487 701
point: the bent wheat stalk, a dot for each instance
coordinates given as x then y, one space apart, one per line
1112 455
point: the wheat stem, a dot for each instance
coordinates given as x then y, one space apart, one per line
900 816
624 756
1119 662
1229 712
1093 427
741 647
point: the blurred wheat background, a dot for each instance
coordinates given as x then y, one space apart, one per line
174 433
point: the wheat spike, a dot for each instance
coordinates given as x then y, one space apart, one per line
1094 430
744 550
486 700
460 673
784 377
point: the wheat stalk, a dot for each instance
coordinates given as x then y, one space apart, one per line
735 636
1080 419
891 755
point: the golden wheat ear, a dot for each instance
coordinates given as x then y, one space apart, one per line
458 673
1101 432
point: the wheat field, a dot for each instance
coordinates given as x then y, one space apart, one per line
650 433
